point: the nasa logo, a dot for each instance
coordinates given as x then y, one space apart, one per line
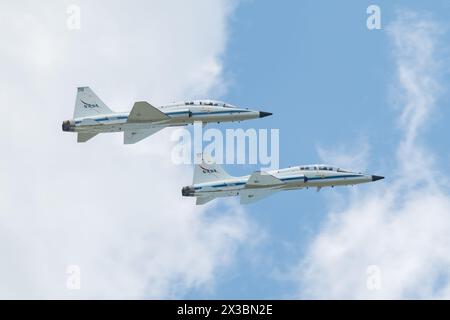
89 106
208 171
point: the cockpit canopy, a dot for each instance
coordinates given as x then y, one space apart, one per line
321 167
210 103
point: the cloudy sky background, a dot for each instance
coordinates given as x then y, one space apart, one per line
341 94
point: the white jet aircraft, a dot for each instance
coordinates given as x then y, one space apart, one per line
211 181
92 116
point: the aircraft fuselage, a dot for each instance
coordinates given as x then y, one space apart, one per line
317 176
179 115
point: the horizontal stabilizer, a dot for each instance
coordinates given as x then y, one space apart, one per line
130 137
253 195
263 179
204 200
85 136
144 112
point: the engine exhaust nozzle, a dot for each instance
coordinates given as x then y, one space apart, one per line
68 125
188 191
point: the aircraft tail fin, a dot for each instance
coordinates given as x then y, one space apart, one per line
88 103
208 172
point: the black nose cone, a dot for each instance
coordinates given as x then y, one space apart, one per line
376 178
263 114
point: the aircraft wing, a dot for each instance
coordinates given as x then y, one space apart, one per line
144 112
85 136
130 137
262 179
253 195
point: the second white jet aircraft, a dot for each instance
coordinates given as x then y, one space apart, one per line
211 181
92 116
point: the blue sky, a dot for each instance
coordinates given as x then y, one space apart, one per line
327 78
337 91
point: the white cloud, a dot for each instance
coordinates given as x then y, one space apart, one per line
403 225
114 210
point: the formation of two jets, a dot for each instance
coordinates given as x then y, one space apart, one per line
92 116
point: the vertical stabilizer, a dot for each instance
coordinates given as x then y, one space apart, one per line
208 172
88 104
